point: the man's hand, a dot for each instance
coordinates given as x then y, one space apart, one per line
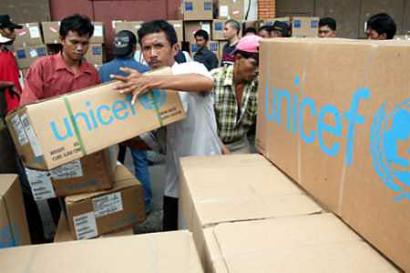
135 82
225 150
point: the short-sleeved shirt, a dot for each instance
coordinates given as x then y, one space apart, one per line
49 76
233 121
114 66
196 134
228 57
9 72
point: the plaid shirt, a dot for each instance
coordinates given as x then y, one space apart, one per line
233 122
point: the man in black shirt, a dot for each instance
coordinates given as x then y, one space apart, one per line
203 54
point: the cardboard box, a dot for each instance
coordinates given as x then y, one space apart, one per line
313 243
63 233
132 26
305 26
150 253
29 35
51 32
179 29
89 174
218 29
231 9
25 56
193 26
212 45
80 119
280 19
197 10
95 54
92 214
344 139
13 222
234 188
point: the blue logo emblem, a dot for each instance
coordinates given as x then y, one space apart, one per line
154 99
390 148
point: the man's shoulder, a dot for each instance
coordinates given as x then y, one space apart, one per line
218 72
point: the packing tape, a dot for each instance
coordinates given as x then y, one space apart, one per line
74 124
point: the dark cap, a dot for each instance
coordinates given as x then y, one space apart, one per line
281 27
5 22
124 43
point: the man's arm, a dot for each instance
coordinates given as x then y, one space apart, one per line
33 87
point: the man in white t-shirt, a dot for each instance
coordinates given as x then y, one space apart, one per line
195 135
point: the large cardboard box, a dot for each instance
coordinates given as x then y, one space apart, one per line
13 223
218 29
87 121
231 9
29 35
89 174
92 214
63 233
197 10
132 26
165 252
99 33
179 29
25 56
313 243
305 26
344 139
95 54
234 188
51 32
191 27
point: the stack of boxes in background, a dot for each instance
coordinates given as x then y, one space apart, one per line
301 27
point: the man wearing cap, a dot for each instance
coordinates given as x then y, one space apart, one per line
280 29
66 71
235 91
124 47
9 73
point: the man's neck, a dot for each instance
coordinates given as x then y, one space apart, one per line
233 41
69 62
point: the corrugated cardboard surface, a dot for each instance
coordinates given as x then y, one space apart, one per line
130 213
314 243
197 10
231 9
233 188
13 222
25 56
217 29
29 35
95 54
99 33
352 105
305 26
191 27
81 118
132 26
63 233
152 253
51 32
179 28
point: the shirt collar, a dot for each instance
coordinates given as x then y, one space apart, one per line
61 65
228 76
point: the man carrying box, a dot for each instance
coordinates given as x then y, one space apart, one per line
66 71
195 135
236 96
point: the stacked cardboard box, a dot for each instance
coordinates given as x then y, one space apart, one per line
195 10
345 140
247 216
28 45
231 9
300 26
13 223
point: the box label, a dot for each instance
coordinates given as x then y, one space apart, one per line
223 11
33 53
34 32
314 24
19 130
21 54
107 204
96 50
189 6
208 6
40 184
297 24
67 171
219 26
85 226
41 51
35 144
98 30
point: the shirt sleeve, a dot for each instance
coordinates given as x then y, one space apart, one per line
33 85
191 68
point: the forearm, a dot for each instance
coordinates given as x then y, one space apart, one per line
187 82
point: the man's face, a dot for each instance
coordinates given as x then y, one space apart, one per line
200 41
229 32
75 46
247 68
264 33
8 33
326 32
157 50
373 35
276 34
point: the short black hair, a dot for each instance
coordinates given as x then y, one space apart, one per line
267 28
76 23
157 26
382 23
235 24
328 21
202 33
249 30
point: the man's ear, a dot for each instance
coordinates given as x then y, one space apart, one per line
175 49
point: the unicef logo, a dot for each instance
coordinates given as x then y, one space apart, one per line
390 148
153 99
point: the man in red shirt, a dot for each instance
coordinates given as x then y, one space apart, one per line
66 71
9 73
